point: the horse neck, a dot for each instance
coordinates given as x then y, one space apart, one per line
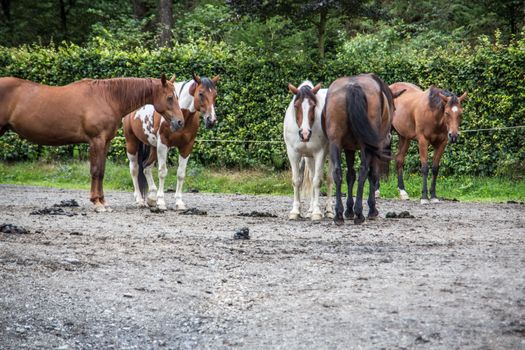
186 101
130 93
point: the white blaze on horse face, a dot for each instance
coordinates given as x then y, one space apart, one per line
145 114
305 125
455 109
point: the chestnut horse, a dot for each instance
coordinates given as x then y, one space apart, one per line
145 127
307 147
430 117
357 116
87 111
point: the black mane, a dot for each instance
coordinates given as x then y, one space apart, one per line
436 102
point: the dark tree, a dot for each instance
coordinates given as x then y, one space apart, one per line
166 22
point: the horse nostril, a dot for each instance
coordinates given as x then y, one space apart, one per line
181 122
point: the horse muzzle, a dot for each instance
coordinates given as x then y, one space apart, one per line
304 135
210 122
176 124
453 137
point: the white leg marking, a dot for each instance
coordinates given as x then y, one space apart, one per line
297 180
403 195
134 171
152 194
316 185
162 157
181 174
329 191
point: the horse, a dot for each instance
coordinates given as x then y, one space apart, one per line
87 111
430 117
357 116
147 127
307 147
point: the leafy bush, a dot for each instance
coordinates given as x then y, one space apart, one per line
253 95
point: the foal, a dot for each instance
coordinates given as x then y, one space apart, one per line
430 117
144 126
306 143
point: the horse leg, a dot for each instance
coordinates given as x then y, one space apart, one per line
350 179
162 157
101 182
307 185
151 198
96 162
181 174
438 152
363 171
316 184
373 181
423 157
335 156
329 190
400 161
297 180
134 171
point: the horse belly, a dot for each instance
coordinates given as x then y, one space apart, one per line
43 131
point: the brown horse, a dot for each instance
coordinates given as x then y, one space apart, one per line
357 116
430 117
87 111
146 127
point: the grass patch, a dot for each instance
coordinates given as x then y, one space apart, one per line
75 175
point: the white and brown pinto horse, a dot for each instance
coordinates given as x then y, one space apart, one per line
87 111
307 147
146 127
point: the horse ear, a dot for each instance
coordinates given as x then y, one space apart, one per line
399 93
192 89
163 79
196 78
462 97
316 88
292 89
172 80
215 79
444 98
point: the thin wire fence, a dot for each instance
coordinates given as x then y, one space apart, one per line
282 141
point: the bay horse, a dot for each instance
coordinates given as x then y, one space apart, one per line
357 116
307 147
430 117
146 127
87 111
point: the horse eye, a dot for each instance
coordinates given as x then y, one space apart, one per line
170 98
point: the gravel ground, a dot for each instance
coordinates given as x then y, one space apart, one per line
452 277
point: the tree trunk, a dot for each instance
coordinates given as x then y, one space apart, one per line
321 28
166 22
6 9
140 8
63 18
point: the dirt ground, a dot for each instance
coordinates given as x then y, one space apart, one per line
452 277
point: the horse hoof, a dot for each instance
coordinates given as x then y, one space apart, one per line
434 200
377 194
308 215
162 207
424 201
140 204
151 202
330 214
373 215
349 214
359 219
316 217
293 216
403 195
180 206
100 209
338 221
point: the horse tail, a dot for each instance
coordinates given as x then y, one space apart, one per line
306 186
142 158
357 114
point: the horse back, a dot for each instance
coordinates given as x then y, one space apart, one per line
409 107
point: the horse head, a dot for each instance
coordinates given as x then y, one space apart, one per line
166 103
305 102
204 94
452 113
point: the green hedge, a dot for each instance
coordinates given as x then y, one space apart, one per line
252 93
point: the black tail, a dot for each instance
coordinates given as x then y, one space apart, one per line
357 114
143 155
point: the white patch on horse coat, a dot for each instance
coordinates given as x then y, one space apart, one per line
145 114
182 90
455 109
